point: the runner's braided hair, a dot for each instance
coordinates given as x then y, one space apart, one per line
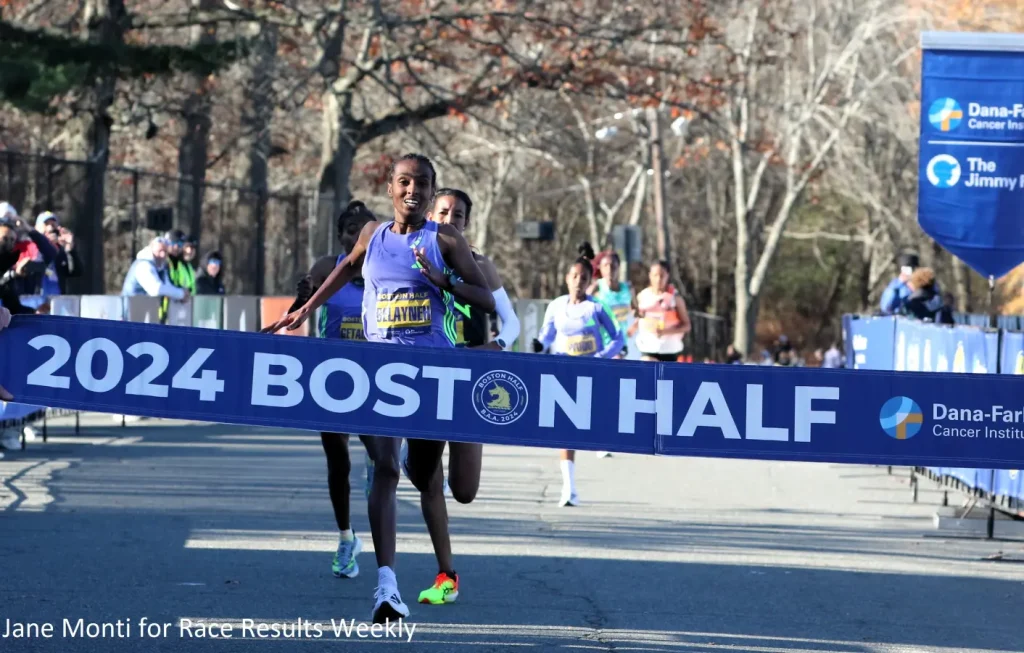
586 258
354 211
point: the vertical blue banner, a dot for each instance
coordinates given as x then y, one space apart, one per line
971 164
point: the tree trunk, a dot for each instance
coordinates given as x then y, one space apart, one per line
481 224
192 151
835 290
713 307
340 143
961 286
257 112
89 139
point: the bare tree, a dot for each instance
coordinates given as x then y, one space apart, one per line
801 72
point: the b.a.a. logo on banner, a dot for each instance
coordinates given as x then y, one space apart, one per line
500 397
1019 368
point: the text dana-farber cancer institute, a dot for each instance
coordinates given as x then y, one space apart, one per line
962 417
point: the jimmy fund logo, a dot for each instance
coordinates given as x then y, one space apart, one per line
500 397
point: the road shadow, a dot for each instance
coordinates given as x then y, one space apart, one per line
209 524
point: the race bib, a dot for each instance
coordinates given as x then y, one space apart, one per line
352 329
621 313
582 345
404 313
652 324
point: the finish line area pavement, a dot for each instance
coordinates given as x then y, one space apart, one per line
173 520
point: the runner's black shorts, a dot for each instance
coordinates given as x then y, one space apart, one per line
663 358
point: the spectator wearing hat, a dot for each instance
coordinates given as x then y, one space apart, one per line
898 291
53 280
190 255
150 275
182 273
209 282
24 252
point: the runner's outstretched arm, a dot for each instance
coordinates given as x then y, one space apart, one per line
341 275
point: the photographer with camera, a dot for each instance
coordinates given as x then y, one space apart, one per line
24 253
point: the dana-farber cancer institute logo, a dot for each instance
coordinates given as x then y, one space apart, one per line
500 397
945 114
901 418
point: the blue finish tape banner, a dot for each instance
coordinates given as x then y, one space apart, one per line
517 399
971 167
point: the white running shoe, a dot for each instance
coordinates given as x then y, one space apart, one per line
604 454
389 605
30 434
569 497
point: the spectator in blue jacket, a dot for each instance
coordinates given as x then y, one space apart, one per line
150 275
898 292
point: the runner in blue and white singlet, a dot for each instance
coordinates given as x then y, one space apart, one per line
414 272
576 324
340 318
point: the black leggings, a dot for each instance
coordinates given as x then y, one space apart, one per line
339 465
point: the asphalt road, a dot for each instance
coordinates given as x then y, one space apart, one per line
170 521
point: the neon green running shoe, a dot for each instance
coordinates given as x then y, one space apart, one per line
344 564
445 590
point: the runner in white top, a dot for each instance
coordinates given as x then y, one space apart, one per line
663 322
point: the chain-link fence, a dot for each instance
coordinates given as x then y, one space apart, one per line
263 238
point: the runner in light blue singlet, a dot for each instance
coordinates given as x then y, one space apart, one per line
399 304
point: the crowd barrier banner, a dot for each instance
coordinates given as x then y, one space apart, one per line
1008 483
102 307
242 313
208 311
1009 322
870 342
971 166
1012 353
68 306
273 309
179 313
519 399
531 317
142 309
